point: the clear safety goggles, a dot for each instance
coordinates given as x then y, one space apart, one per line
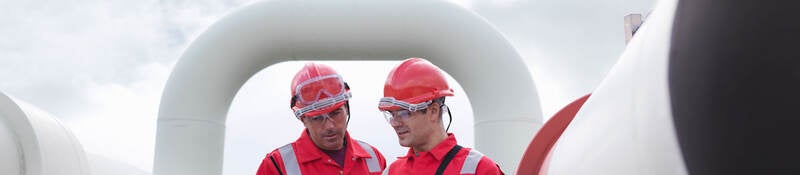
398 115
330 87
403 115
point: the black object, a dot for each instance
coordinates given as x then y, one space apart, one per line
447 158
734 81
276 165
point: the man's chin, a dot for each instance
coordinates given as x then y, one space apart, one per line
405 144
334 145
332 148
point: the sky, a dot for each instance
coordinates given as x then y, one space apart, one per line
101 66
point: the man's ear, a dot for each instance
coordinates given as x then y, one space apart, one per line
347 107
303 122
433 111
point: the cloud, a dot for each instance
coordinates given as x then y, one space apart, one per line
100 66
52 50
121 121
58 48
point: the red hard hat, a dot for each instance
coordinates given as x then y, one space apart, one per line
317 89
412 84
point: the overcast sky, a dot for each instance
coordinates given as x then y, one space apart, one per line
100 66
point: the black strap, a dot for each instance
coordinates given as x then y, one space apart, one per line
276 165
447 159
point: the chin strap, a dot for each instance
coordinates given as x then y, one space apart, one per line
444 107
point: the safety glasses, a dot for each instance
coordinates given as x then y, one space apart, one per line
335 116
404 115
398 115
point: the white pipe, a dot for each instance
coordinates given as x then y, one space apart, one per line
195 102
43 145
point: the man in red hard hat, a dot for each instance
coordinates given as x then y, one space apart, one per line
413 104
320 100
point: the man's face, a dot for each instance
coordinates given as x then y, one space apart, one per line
412 128
328 130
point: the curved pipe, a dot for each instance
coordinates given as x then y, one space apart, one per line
191 122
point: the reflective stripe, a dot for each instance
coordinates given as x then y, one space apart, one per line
386 171
471 162
289 160
372 163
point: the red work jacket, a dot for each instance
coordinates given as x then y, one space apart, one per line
360 158
467 161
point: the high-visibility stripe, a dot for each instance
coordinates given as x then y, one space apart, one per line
386 171
289 160
471 162
372 162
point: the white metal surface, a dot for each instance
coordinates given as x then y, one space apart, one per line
101 165
195 102
44 145
626 127
11 157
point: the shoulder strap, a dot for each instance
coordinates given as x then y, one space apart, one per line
372 163
276 165
289 160
447 159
